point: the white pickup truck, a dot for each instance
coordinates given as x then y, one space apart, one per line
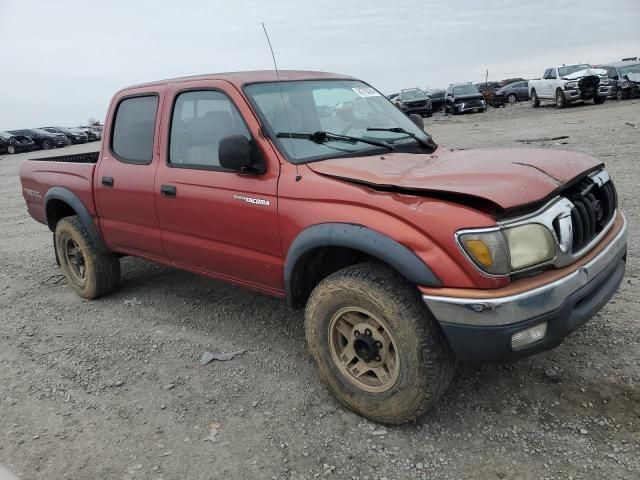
570 83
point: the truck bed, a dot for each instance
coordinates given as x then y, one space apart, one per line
89 157
73 173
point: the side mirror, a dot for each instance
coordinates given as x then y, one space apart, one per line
235 153
417 119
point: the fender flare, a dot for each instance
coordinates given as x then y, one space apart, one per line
67 196
360 238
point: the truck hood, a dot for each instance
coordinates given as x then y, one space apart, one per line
469 96
506 178
633 77
598 72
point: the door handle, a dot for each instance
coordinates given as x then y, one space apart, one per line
107 181
168 191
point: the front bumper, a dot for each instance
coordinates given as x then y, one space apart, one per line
481 329
573 95
474 107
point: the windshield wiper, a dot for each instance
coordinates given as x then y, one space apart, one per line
322 136
427 143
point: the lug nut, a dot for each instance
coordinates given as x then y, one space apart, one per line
367 332
356 333
378 359
379 344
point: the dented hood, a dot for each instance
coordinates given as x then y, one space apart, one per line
507 178
599 72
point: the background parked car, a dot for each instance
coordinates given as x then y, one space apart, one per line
515 92
92 135
464 97
42 138
437 98
625 77
74 136
15 143
491 93
414 100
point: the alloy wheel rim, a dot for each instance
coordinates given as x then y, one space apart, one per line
364 349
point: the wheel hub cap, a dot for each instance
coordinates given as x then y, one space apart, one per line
364 349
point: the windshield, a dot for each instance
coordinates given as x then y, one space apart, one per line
409 95
630 69
465 90
5 135
41 131
339 107
564 71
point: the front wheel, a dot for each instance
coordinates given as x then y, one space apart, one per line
47 144
11 149
598 100
376 345
90 273
561 100
512 98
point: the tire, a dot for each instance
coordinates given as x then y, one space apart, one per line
420 364
11 149
47 144
561 101
535 101
512 98
598 100
101 271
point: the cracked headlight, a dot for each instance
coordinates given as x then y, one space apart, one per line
570 85
503 251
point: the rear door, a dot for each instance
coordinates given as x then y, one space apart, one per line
125 178
214 220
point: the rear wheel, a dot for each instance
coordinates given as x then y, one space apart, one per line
47 144
561 100
91 274
511 98
11 149
535 101
376 345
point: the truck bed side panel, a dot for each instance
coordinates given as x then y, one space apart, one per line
37 177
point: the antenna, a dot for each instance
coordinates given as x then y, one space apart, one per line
284 105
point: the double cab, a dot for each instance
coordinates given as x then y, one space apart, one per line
314 188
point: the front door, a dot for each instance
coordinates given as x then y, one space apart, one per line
214 220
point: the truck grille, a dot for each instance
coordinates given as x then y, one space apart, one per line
594 207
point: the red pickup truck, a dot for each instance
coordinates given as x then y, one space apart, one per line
317 189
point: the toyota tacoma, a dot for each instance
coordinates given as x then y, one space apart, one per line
405 255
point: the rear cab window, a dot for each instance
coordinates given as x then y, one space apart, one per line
133 129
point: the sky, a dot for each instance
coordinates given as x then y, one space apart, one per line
61 61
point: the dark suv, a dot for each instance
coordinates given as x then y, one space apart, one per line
464 97
414 100
42 138
15 143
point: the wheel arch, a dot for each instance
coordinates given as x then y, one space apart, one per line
322 249
60 202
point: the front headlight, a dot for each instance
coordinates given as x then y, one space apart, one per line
529 245
511 249
571 85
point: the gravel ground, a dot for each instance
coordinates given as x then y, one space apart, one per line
113 388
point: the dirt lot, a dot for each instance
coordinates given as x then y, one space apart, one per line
114 389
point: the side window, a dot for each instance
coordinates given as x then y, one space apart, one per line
200 120
132 135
